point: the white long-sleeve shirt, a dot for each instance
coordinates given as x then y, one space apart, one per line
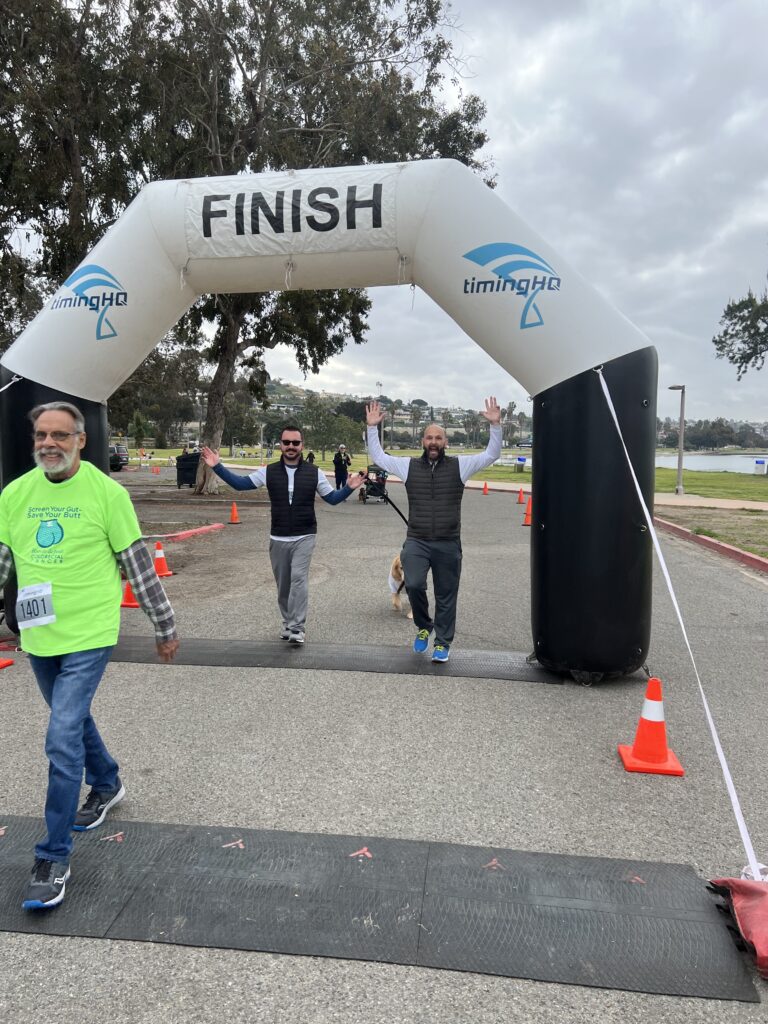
468 464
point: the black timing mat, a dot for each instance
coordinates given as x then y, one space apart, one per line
337 657
622 924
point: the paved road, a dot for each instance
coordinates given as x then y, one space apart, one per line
472 761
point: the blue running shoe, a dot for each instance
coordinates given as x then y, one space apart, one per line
46 886
421 643
440 653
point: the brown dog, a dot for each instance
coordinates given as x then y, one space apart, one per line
397 584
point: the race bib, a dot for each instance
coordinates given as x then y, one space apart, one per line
34 606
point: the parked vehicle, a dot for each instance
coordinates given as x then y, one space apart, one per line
118 457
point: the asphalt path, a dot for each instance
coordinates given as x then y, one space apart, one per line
484 762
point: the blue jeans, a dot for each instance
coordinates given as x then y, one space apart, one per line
68 683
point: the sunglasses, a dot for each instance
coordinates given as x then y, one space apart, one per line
295 443
55 435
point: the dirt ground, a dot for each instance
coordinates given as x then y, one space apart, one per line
743 528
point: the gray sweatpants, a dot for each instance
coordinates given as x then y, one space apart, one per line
443 557
290 564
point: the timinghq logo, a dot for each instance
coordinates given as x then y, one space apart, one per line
518 261
97 290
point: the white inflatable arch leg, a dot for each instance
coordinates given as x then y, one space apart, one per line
430 223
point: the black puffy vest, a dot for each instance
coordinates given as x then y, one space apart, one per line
434 491
292 519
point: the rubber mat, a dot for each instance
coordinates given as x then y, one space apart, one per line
337 657
643 927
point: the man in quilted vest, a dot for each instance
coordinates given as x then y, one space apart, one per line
292 483
435 485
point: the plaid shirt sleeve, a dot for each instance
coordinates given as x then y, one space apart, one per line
6 564
139 570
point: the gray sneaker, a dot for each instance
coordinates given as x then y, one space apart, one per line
296 637
285 633
95 808
46 886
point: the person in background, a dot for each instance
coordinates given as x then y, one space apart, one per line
341 464
311 458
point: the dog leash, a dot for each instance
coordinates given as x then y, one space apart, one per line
389 501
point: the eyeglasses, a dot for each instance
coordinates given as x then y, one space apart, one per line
296 443
55 435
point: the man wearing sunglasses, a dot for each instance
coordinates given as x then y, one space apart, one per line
292 484
67 528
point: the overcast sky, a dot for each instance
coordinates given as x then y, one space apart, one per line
633 136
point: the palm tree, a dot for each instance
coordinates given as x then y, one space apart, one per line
415 421
521 420
394 409
510 425
471 423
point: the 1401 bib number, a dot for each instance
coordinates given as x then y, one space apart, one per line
34 606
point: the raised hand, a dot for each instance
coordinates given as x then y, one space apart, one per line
492 411
210 457
374 414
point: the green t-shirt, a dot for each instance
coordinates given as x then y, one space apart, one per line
66 535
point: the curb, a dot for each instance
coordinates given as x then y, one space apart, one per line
736 554
184 534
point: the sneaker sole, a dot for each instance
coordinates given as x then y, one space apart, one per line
295 640
95 824
39 905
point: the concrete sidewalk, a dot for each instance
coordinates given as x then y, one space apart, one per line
475 761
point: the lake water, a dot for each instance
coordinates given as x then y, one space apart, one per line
705 463
712 463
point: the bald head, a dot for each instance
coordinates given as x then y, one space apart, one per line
434 441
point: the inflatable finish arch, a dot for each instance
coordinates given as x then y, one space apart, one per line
433 224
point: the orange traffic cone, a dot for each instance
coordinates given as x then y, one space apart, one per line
520 497
528 508
161 565
129 598
485 487
650 753
234 518
6 662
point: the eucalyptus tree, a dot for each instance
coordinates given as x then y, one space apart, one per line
98 97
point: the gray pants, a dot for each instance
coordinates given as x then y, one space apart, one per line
290 564
443 557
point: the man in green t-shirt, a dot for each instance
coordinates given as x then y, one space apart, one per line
66 528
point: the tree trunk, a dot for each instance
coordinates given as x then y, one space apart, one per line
207 482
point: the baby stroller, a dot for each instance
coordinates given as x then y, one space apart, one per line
374 488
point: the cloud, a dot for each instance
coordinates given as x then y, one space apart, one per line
631 135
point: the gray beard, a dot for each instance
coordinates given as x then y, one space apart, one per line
63 468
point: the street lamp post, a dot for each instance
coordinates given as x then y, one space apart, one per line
680 437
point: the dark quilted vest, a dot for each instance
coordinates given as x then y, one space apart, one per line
434 491
296 518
